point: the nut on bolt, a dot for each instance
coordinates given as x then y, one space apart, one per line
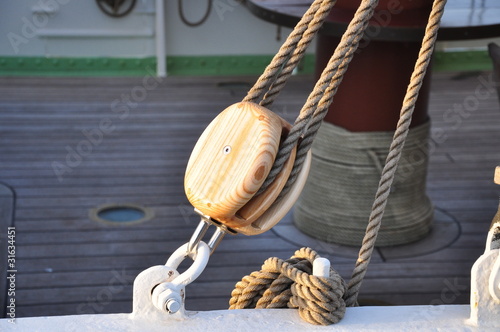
167 297
172 306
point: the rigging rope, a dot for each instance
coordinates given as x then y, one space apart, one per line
403 126
311 21
312 113
314 110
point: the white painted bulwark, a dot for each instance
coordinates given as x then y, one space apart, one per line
485 290
398 318
482 315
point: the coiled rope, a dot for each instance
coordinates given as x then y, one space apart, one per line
282 284
344 199
309 120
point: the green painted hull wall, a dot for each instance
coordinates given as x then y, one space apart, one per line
198 65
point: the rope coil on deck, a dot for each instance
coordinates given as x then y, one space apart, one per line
282 284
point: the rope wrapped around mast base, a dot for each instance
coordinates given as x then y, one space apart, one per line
290 283
345 171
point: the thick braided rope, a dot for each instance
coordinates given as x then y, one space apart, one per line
246 296
298 53
286 50
396 148
319 114
282 284
321 96
278 293
265 289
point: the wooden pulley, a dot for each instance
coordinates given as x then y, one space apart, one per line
230 162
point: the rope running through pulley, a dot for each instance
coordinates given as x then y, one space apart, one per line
306 125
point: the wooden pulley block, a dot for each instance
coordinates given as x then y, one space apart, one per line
278 210
231 160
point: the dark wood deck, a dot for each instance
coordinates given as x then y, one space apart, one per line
69 264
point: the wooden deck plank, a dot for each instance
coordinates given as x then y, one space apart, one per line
199 289
65 258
